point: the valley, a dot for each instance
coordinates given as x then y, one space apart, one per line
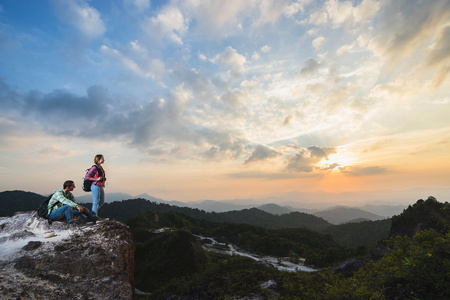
187 253
281 264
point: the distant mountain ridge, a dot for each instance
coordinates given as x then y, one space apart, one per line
130 208
342 214
351 234
333 215
384 210
275 209
267 204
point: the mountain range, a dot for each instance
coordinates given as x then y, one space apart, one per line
416 255
334 215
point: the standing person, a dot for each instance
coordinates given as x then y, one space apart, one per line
97 175
62 204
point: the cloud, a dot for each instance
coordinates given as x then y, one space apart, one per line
344 49
343 13
230 58
405 27
270 176
441 75
140 127
57 105
339 12
216 19
295 7
261 153
9 98
256 56
232 104
138 61
169 23
318 42
305 159
225 144
311 67
270 11
438 56
61 107
318 18
140 5
265 49
439 53
331 167
161 127
85 19
59 112
287 120
366 11
362 171
220 19
55 151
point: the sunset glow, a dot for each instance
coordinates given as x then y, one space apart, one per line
192 100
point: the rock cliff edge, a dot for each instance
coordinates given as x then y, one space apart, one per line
42 261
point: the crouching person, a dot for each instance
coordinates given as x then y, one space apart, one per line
62 204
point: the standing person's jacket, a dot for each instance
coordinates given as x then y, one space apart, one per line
93 173
61 199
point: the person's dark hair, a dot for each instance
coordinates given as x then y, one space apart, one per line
67 183
97 158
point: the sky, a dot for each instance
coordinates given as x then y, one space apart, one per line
192 100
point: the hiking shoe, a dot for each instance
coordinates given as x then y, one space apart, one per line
73 227
90 217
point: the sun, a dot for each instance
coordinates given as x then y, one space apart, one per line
335 162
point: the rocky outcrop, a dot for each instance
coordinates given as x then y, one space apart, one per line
42 261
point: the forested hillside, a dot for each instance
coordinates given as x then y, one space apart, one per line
400 267
313 246
13 201
359 234
351 235
126 209
424 214
406 257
